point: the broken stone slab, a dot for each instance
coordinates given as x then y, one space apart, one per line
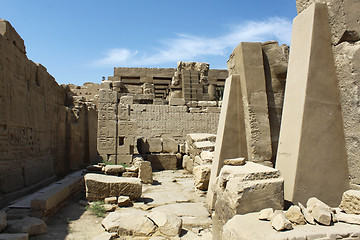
266 214
145 171
207 156
310 219
280 223
30 225
94 168
313 201
350 202
114 169
3 220
110 200
169 224
170 145
124 201
129 224
155 145
347 218
294 215
14 236
202 176
99 187
200 137
235 161
322 214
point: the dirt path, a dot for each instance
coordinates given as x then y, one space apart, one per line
173 191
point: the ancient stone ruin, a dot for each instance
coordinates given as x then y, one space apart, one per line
267 149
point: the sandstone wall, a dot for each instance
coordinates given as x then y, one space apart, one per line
344 19
39 135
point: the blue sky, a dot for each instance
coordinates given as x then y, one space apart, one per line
80 41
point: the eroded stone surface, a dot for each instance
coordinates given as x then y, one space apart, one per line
350 202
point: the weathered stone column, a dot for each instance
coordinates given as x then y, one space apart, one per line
311 154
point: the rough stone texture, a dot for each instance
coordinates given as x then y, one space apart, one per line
312 133
155 145
40 124
29 225
169 224
14 236
99 187
244 189
110 200
275 67
170 145
266 214
347 60
344 18
202 176
247 61
145 171
115 170
321 214
131 224
248 227
280 223
163 161
123 201
350 202
310 219
3 220
294 215
235 161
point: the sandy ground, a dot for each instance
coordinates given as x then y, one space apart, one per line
173 191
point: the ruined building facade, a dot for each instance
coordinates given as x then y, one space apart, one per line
43 131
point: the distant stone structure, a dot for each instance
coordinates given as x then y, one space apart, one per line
44 131
155 104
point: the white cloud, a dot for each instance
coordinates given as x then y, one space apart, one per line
188 47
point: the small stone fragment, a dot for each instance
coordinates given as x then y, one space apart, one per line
146 207
235 161
266 214
124 201
312 202
130 174
109 207
169 224
114 169
280 223
3 220
30 225
350 202
110 200
294 215
202 176
321 214
310 219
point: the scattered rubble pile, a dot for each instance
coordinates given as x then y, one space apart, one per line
199 153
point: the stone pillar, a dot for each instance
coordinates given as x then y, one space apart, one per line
311 154
212 92
230 140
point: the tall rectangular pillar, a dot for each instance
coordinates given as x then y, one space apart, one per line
311 153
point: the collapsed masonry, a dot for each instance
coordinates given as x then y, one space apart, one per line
44 131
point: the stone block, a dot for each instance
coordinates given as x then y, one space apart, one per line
130 174
200 137
115 170
312 132
205 146
169 224
295 216
155 145
280 223
145 171
235 161
30 225
350 202
207 103
99 187
244 189
202 176
124 201
110 200
177 102
127 100
162 161
170 145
